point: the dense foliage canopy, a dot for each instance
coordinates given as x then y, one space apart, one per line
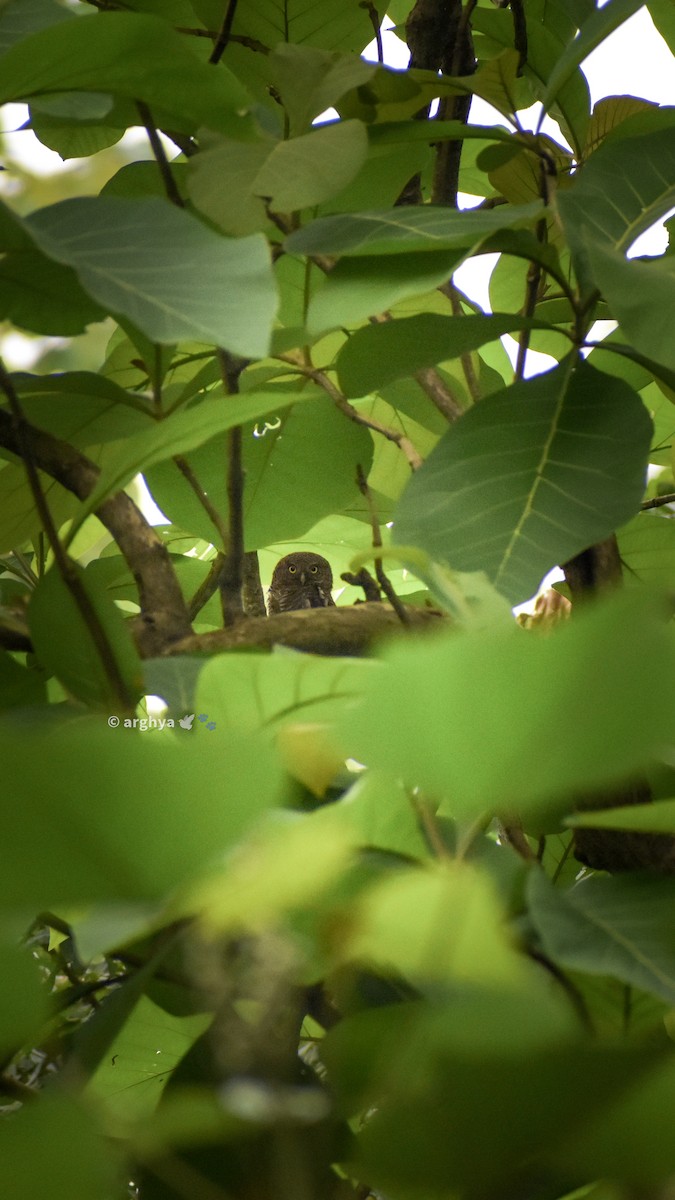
392 919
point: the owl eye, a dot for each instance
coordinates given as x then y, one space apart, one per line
292 570
314 570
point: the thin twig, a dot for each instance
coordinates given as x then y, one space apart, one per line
465 359
377 27
224 35
163 615
208 587
439 393
519 32
232 575
65 566
209 508
162 161
428 820
532 285
342 403
382 579
249 42
658 501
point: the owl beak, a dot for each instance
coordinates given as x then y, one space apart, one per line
303 577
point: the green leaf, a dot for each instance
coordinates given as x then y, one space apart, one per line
307 170
404 230
626 185
19 686
131 55
24 998
164 270
311 80
327 23
647 549
257 693
67 646
518 744
619 926
131 829
646 818
360 287
640 295
435 1078
236 209
19 519
300 466
383 815
286 865
661 13
44 296
133 1074
545 44
20 18
178 434
80 407
443 924
593 31
377 354
55 1148
529 477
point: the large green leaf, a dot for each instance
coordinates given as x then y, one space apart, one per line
82 408
20 18
130 55
159 807
300 466
19 518
24 998
645 818
377 354
309 169
593 31
438 1079
626 185
310 80
360 287
93 656
178 434
441 925
529 477
404 230
647 549
620 926
55 1148
262 693
493 719
641 297
331 24
164 270
131 1077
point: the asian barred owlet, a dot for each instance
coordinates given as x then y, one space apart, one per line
301 580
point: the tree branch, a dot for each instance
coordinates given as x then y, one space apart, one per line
382 579
658 501
164 616
170 186
224 34
330 631
65 565
342 403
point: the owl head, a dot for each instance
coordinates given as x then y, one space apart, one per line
301 580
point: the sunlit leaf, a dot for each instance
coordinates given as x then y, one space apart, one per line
164 270
529 477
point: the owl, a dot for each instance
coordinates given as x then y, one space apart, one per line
300 580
